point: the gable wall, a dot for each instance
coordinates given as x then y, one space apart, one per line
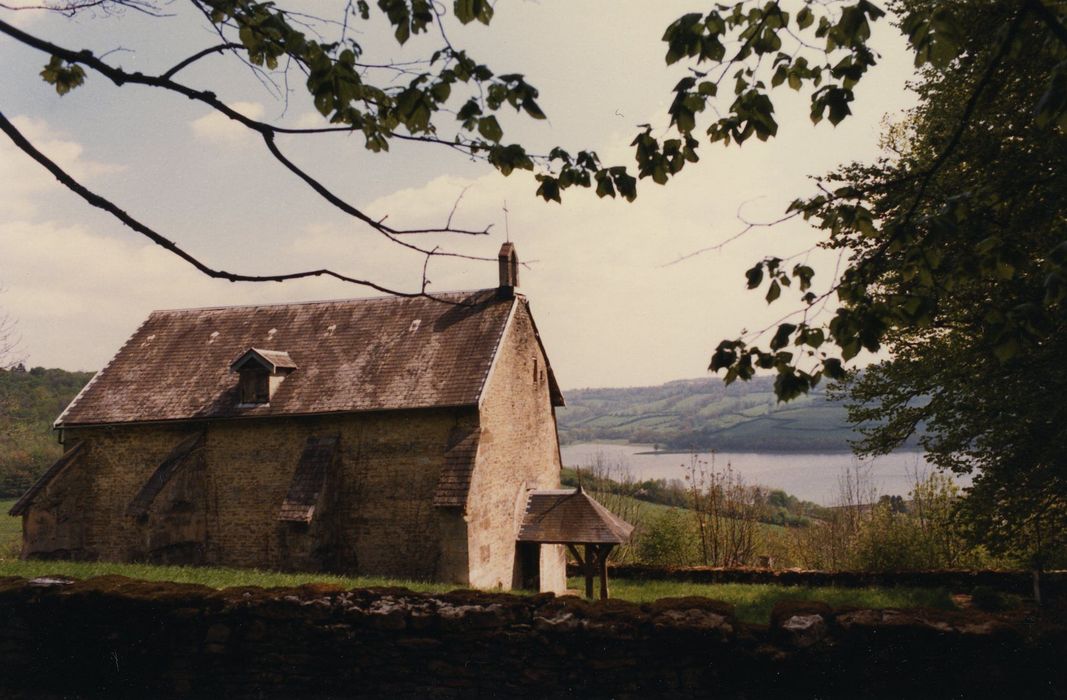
380 521
518 450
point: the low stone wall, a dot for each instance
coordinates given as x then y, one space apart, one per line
1021 582
114 637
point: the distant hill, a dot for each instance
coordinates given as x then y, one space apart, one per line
706 414
29 402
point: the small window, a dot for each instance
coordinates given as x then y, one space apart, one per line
535 372
255 385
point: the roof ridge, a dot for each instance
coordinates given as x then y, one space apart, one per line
343 300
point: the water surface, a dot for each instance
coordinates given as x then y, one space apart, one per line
810 477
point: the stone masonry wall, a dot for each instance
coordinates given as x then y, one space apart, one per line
113 637
381 507
518 450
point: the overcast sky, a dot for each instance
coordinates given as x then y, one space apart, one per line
611 310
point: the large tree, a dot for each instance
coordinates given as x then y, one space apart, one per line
982 367
955 249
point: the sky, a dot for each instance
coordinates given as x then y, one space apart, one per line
611 307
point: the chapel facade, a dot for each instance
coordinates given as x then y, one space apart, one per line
398 437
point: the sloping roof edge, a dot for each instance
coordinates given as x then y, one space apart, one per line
58 422
563 516
310 479
69 457
170 465
496 349
554 393
461 455
553 386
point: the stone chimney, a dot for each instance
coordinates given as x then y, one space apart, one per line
509 270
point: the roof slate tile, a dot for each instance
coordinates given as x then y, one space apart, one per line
374 354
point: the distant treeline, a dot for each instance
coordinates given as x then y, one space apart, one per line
777 506
29 401
706 414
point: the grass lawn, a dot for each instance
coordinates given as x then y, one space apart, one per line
10 531
214 577
753 602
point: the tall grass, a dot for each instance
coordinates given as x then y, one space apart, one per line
753 602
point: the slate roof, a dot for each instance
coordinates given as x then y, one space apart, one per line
381 353
309 480
562 516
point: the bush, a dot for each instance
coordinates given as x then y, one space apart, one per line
668 540
991 600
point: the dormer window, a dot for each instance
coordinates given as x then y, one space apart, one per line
260 373
254 385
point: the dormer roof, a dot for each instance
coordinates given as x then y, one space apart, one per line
270 360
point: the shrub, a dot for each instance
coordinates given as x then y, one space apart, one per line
668 540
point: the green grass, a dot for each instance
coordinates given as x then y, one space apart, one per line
213 577
753 602
10 531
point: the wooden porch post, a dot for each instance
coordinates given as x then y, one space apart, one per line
590 563
605 550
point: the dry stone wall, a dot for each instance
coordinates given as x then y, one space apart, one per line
113 637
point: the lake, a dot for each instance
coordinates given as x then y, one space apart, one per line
810 477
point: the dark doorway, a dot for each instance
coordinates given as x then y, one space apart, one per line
528 563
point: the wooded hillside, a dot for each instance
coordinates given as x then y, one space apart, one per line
706 414
29 402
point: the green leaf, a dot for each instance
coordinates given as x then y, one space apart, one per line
469 10
489 128
64 76
754 275
833 369
725 356
781 336
773 292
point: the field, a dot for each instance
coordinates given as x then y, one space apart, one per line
10 532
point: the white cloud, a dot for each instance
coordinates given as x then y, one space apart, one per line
26 181
216 127
76 295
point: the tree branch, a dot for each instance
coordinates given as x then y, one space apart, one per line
72 7
197 56
121 77
100 202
